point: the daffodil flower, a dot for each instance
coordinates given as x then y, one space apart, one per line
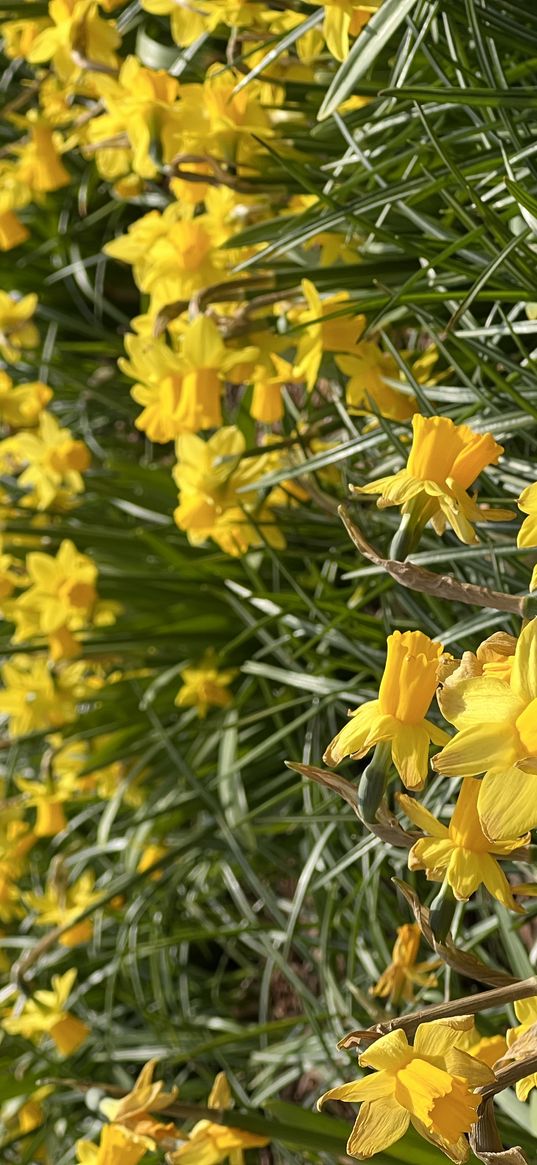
404 973
117 1146
526 1013
444 461
398 715
427 1084
210 1143
497 722
205 686
45 1013
460 853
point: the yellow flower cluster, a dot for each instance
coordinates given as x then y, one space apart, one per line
491 698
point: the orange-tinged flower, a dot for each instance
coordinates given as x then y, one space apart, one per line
460 853
444 461
403 974
398 715
134 1109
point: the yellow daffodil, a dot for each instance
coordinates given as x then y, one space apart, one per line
488 1049
460 853
444 461
117 1146
428 1084
398 715
51 460
48 798
39 165
267 401
210 1143
137 245
75 23
403 974
209 475
60 904
205 687
45 1013
17 330
526 1013
344 19
22 404
322 334
367 389
18 36
141 104
187 24
12 232
35 698
527 535
16 841
134 1111
62 598
181 262
497 722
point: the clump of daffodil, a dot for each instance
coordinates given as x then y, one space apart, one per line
117 1146
460 854
398 715
496 718
46 1014
135 1110
61 903
36 698
211 476
17 329
428 1084
49 461
61 599
527 535
22 404
213 1143
444 461
205 687
526 1013
404 973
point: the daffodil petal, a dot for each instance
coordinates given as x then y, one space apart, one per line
387 1052
508 803
378 1125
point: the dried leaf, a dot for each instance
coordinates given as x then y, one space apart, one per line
443 586
461 961
387 829
486 1143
